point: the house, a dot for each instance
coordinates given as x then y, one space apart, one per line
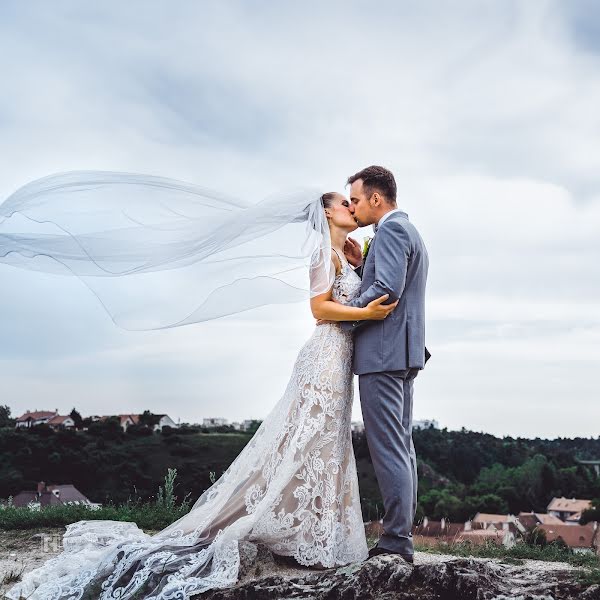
496 522
247 424
52 419
37 417
165 421
529 520
61 422
52 495
126 420
425 424
580 538
503 536
216 422
500 529
433 533
568 510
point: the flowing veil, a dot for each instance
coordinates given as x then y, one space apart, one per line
160 253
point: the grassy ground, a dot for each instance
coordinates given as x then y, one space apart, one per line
145 515
588 564
588 571
517 553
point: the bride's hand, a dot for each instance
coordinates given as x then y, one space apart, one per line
353 252
376 311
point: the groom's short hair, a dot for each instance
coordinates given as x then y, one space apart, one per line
376 179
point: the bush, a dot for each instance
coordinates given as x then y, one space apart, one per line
147 515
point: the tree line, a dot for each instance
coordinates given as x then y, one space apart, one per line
460 472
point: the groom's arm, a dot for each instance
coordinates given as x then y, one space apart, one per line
391 263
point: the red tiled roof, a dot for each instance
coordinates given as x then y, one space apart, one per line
58 419
435 529
479 536
575 536
569 504
531 519
40 414
122 418
68 493
547 519
489 518
528 520
24 498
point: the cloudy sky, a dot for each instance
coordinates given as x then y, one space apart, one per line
487 112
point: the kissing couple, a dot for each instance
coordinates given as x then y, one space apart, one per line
294 487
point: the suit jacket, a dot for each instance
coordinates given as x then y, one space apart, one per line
396 264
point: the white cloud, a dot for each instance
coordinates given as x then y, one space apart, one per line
486 112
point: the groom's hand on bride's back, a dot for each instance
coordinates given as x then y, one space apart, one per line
376 310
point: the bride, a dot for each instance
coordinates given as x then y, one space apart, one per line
293 488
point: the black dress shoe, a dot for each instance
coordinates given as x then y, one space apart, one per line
376 551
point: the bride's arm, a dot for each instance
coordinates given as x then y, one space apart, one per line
324 308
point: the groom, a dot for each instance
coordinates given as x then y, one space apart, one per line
388 354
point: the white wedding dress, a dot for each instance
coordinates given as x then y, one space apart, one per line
294 488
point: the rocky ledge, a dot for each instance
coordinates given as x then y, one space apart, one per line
433 576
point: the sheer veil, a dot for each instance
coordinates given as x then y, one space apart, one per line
159 252
162 253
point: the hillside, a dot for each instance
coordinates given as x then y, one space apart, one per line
460 472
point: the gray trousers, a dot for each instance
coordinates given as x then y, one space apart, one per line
386 400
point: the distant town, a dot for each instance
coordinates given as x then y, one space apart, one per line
560 523
56 421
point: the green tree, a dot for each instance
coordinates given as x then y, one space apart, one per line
109 429
487 503
149 419
535 537
5 420
591 514
253 427
74 414
449 507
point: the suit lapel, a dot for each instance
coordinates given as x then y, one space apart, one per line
362 267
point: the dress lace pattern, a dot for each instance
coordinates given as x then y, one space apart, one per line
294 488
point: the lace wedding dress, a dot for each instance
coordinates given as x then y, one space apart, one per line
294 488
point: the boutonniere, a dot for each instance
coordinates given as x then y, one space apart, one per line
366 246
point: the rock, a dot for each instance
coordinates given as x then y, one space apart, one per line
387 577
433 577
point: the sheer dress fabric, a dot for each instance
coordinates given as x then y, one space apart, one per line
294 488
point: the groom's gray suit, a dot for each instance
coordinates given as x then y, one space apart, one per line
387 357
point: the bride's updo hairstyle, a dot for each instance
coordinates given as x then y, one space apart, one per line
327 199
